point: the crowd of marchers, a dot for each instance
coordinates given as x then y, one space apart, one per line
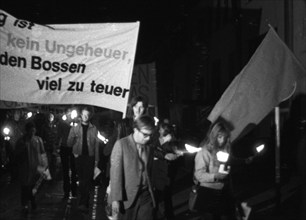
135 155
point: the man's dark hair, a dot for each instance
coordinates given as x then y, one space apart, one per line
89 109
144 121
28 126
136 99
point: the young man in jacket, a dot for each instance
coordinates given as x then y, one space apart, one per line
85 148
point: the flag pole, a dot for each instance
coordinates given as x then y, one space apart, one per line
277 158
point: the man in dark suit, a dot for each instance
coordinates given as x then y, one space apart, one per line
131 160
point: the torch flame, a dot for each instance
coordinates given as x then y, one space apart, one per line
191 149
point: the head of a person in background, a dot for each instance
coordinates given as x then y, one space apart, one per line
30 129
50 118
165 129
139 106
219 136
143 128
86 114
17 114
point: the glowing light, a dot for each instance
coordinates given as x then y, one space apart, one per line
222 156
6 131
7 138
156 120
64 117
102 138
260 148
29 114
192 149
74 114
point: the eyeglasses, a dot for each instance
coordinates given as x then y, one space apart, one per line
145 135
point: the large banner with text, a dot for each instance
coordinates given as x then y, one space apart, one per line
67 64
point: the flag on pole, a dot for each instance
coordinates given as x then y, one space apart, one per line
272 75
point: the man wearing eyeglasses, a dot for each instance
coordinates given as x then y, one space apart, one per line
131 160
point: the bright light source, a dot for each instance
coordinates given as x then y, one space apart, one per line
7 138
102 138
74 114
29 115
6 131
222 156
192 149
260 148
64 117
156 120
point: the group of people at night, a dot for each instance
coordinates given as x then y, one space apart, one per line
140 166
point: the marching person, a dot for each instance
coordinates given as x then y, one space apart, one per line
131 193
138 107
85 148
124 127
215 199
163 173
32 160
67 160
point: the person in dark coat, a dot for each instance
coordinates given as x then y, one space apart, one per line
32 161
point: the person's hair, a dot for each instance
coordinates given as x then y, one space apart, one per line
212 135
136 99
167 128
144 121
29 126
89 109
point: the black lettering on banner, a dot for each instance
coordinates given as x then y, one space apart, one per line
23 24
37 63
49 84
2 19
76 86
108 89
12 61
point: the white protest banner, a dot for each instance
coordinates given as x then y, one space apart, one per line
67 64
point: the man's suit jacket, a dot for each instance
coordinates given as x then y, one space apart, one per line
126 171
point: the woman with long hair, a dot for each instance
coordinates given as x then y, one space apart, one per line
216 201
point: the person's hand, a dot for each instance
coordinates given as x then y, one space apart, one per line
220 176
167 138
178 152
115 208
171 156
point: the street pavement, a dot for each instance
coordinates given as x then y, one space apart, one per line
258 191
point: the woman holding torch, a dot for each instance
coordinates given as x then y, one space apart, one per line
211 174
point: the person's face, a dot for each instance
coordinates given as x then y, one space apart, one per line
161 131
85 116
31 132
221 139
142 136
17 115
138 109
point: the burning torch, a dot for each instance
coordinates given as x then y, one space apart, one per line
223 158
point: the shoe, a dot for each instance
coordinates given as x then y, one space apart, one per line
83 208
